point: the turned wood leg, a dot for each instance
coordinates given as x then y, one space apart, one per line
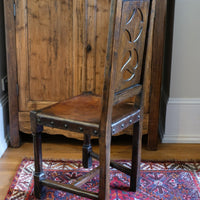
39 174
136 158
104 178
87 148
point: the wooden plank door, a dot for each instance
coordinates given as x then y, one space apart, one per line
47 50
60 48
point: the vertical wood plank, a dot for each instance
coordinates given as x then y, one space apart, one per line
148 59
50 42
156 76
22 53
102 30
91 45
38 49
79 44
11 72
62 48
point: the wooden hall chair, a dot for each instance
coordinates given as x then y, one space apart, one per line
128 44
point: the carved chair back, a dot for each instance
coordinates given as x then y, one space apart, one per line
125 52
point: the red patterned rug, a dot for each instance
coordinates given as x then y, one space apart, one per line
159 180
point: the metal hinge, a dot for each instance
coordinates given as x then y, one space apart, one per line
14 8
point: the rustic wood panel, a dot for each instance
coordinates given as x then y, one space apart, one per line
53 34
50 55
45 72
61 58
11 73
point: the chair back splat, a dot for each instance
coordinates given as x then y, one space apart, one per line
130 33
128 45
125 54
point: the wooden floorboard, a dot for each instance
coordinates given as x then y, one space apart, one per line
63 148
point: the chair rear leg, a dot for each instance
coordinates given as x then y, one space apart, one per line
104 178
38 174
87 148
136 158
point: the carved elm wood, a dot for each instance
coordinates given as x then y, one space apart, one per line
113 111
38 53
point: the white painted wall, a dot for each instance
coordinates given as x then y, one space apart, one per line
3 124
183 107
185 72
3 94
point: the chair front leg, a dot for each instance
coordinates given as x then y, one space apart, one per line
38 174
136 158
104 178
87 149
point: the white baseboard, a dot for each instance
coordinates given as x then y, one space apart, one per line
182 123
3 125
